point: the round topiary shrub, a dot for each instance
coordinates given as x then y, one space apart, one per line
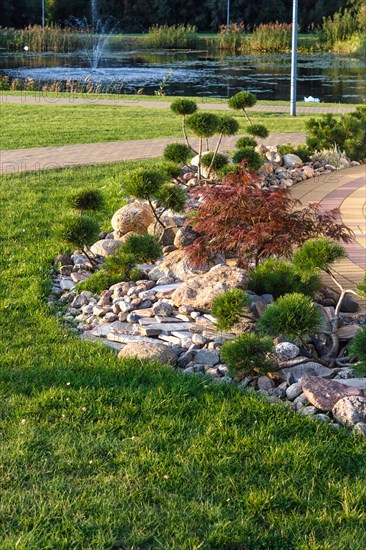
242 100
203 124
229 307
177 152
245 142
278 277
249 354
80 231
258 130
144 248
87 199
143 183
294 315
219 160
227 125
252 158
171 197
183 107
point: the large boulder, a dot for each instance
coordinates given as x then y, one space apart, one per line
292 161
350 410
324 394
199 291
105 247
136 217
149 352
174 265
185 236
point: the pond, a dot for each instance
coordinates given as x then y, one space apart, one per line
329 77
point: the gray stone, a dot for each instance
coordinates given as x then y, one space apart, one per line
347 332
67 284
294 391
185 236
148 351
307 369
163 308
105 247
350 410
324 394
128 338
349 305
323 418
207 357
310 410
285 351
199 291
265 383
166 235
174 265
224 380
291 161
359 383
199 339
79 301
360 428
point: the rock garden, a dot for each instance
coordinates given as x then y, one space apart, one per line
213 268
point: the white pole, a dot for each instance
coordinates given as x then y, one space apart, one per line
228 16
294 59
43 14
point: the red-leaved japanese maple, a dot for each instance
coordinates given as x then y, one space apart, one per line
238 218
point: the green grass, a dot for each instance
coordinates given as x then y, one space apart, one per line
99 453
51 125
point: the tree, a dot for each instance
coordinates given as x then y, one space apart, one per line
253 224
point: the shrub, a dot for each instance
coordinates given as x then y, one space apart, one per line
136 274
248 354
120 264
245 142
216 162
88 199
258 130
272 38
293 315
238 218
171 197
285 149
228 307
144 248
170 169
142 183
80 232
99 281
203 125
278 277
316 255
241 101
303 152
177 152
361 287
184 107
252 159
332 156
357 351
171 37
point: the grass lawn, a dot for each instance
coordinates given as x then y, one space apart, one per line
51 125
98 453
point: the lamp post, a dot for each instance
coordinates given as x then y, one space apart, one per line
228 16
43 14
294 58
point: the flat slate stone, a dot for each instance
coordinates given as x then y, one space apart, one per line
161 319
359 383
167 328
128 338
182 334
102 330
167 288
306 369
347 332
324 394
120 327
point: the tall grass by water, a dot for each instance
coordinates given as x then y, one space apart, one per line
52 39
234 38
171 37
271 38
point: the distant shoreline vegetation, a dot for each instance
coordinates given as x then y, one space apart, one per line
340 34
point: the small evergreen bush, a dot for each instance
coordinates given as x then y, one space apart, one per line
177 152
316 255
217 161
303 152
246 141
120 264
294 315
144 248
171 197
249 354
252 158
228 307
183 106
285 149
80 232
258 130
242 100
143 183
203 125
87 199
99 281
361 287
357 351
278 277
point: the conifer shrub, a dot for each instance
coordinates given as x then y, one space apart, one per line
293 315
357 351
168 168
242 101
316 255
361 287
171 197
258 130
249 354
252 159
79 232
143 183
99 281
177 152
278 277
116 268
216 162
144 248
87 199
202 124
183 106
246 141
229 307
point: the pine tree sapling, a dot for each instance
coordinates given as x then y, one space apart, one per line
177 152
251 158
80 232
357 351
144 248
361 287
258 130
242 101
229 307
246 141
171 197
316 255
87 199
203 125
249 354
278 277
209 160
227 126
184 107
293 315
142 183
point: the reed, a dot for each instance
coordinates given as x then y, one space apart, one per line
174 37
52 39
272 38
338 28
233 39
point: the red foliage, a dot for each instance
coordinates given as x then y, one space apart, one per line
238 218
